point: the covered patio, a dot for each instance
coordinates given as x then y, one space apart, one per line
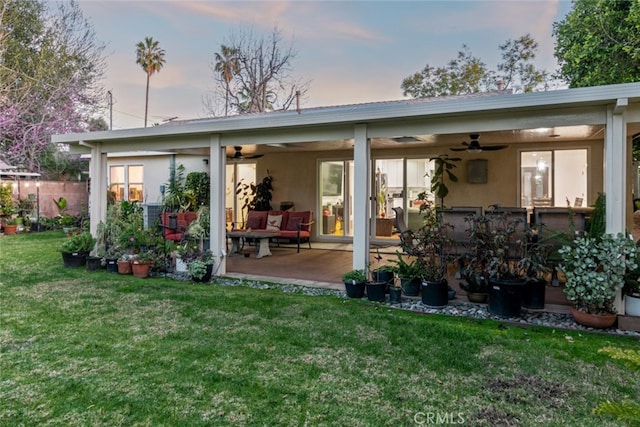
598 120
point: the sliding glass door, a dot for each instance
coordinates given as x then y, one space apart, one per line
553 178
237 176
395 183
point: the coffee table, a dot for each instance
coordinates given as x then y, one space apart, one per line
263 236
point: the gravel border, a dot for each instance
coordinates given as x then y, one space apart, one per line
453 308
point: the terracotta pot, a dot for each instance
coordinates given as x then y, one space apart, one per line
141 269
597 321
124 267
10 229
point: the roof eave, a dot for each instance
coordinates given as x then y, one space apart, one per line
362 113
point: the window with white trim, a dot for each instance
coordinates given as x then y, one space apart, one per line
126 182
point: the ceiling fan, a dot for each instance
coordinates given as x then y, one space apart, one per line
475 147
239 156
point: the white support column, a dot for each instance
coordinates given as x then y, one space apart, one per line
217 233
98 196
361 197
615 179
615 183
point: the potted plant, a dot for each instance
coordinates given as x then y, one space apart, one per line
76 248
141 264
536 266
395 290
384 273
11 227
409 273
200 267
431 244
124 264
444 166
376 289
595 268
354 283
94 262
497 253
111 256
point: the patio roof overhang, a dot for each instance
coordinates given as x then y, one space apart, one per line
575 113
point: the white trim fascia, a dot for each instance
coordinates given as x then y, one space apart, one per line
365 113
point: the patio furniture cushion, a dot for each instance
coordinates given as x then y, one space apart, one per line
293 223
287 228
305 220
183 219
274 222
256 220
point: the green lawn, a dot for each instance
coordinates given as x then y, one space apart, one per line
82 348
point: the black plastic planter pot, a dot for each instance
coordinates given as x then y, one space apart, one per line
74 260
395 295
112 265
206 277
410 287
435 294
383 276
94 263
354 289
505 297
375 291
533 294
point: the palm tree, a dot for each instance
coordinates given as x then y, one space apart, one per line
151 58
227 64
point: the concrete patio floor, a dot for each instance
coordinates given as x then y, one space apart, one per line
324 264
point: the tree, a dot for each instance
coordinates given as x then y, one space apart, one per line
51 68
150 57
468 74
462 75
256 73
227 65
517 70
598 43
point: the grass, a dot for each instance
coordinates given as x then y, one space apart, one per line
82 348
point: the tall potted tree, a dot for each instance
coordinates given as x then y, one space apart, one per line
431 248
498 256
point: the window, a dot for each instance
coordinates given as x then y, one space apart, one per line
553 178
126 182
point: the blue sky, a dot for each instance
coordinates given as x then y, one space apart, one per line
350 51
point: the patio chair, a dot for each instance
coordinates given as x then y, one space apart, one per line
518 216
407 237
556 227
456 218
